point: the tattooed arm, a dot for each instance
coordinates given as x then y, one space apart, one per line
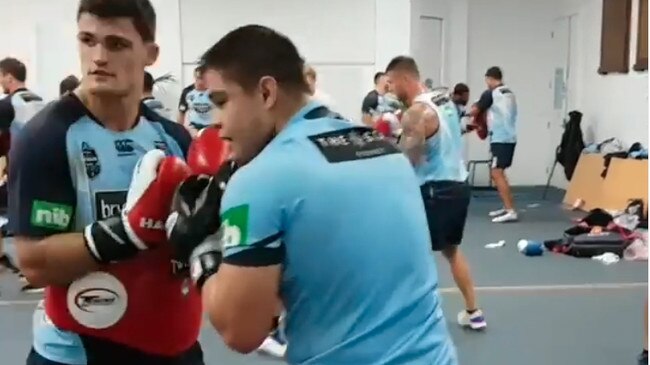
419 122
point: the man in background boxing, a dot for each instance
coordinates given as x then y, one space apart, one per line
68 85
460 97
358 288
373 100
195 110
431 139
500 104
91 181
18 107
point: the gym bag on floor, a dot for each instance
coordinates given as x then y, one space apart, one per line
594 244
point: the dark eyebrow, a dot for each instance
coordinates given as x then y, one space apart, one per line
110 37
117 38
218 97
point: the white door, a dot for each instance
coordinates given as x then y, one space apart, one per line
561 84
427 48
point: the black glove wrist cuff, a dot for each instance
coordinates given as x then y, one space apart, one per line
204 262
108 242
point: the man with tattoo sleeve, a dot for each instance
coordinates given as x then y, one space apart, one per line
431 138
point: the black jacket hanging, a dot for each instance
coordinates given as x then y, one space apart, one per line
569 150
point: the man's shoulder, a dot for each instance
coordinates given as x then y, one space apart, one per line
171 128
55 118
26 95
373 94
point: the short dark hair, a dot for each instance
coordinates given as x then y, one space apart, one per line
141 12
250 52
68 84
378 76
494 72
461 88
14 67
200 69
148 82
403 63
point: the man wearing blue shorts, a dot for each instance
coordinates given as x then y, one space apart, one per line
323 217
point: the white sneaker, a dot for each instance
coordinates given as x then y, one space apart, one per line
475 321
498 212
273 346
509 216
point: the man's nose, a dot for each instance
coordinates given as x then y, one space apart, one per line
99 54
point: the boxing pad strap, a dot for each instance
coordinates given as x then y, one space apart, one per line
206 258
108 241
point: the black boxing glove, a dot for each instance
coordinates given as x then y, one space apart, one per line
194 217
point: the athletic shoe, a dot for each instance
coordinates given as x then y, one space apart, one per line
498 212
475 321
509 216
30 289
643 358
274 345
7 264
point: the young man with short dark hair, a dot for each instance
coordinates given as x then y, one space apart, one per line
91 180
304 222
500 104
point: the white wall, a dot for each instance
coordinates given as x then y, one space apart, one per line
516 35
614 105
349 41
454 14
317 28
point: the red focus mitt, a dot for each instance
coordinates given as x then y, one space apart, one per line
207 152
480 124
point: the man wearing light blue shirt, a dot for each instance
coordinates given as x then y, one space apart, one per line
322 216
500 104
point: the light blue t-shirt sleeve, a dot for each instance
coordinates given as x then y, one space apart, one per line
252 212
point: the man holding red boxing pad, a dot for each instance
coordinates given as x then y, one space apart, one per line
91 183
497 109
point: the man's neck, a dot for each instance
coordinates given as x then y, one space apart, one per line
147 96
115 113
288 110
415 91
15 87
379 91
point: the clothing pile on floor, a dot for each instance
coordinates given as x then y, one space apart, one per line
623 234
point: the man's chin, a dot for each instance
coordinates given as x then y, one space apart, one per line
105 90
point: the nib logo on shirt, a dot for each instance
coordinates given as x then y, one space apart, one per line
235 226
51 215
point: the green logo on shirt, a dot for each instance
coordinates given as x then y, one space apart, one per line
51 215
235 226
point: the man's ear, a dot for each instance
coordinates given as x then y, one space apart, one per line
269 90
152 53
